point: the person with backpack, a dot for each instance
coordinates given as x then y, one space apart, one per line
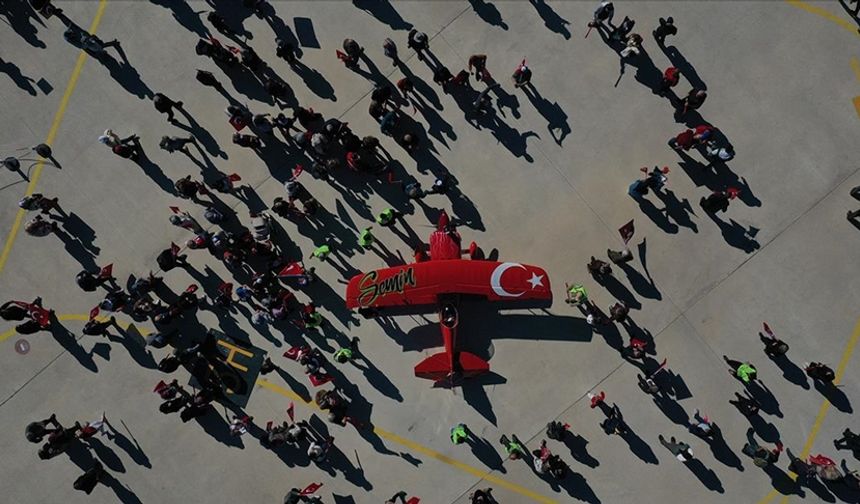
36 431
556 430
717 201
522 75
37 201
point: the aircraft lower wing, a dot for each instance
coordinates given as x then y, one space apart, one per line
422 283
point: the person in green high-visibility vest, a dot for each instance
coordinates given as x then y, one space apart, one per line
365 238
321 252
387 217
347 354
311 317
741 370
459 433
513 448
576 294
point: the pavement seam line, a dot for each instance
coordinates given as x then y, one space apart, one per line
414 446
52 134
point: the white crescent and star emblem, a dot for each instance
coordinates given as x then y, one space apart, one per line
496 279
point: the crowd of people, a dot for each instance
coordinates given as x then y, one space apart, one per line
269 278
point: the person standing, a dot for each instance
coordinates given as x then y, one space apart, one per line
746 404
744 371
820 372
680 450
173 144
366 238
348 353
459 434
694 99
665 28
604 13
36 431
671 77
418 42
522 75
773 346
165 105
389 48
762 457
479 63
717 201
620 257
87 481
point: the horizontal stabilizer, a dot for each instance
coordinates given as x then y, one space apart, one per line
438 366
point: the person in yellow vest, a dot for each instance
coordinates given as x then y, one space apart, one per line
365 238
348 353
576 294
459 434
387 217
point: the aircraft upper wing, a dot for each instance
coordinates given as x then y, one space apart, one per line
421 283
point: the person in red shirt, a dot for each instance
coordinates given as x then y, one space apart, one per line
671 77
683 140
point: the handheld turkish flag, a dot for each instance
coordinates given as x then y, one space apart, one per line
298 171
174 209
341 55
627 231
234 177
767 329
597 399
174 249
191 289
413 500
293 269
94 313
566 426
238 122
733 192
159 387
320 379
313 487
107 271
291 411
41 315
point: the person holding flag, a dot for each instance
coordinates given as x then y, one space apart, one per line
94 327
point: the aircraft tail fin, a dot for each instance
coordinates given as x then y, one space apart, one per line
438 366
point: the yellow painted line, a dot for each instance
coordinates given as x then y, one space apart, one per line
826 14
855 65
856 102
822 411
52 134
482 474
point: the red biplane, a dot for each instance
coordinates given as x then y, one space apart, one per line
439 281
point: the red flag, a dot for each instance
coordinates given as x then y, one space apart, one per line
94 313
107 271
174 209
320 379
341 55
413 500
291 411
733 192
313 487
174 248
566 426
298 170
238 122
159 386
191 289
41 315
595 400
291 270
767 329
627 231
234 177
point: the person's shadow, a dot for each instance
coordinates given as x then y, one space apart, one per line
551 19
488 13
